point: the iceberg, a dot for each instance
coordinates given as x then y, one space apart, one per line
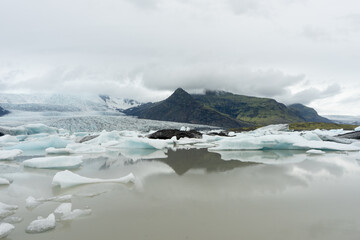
6 229
41 144
59 162
82 148
4 181
8 140
357 129
42 224
315 152
66 179
7 210
62 151
9 154
12 219
32 202
64 212
29 129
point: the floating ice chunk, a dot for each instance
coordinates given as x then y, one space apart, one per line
81 148
32 202
42 225
270 129
29 129
7 140
7 210
64 212
41 144
4 181
183 128
69 179
357 129
315 152
9 154
5 229
105 137
62 151
59 162
280 142
13 219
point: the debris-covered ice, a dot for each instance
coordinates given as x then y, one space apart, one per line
67 178
9 154
32 202
59 162
5 229
42 224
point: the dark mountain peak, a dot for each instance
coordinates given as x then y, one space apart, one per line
3 111
180 96
308 114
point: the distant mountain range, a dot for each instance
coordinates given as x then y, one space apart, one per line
3 111
224 109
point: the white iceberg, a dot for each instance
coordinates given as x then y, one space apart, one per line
315 152
5 229
42 224
12 219
29 129
66 179
64 212
7 210
61 151
7 140
41 144
9 154
59 162
82 148
357 129
4 181
32 202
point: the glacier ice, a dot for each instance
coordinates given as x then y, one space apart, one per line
64 212
58 162
9 154
42 224
83 148
41 144
4 181
58 151
67 178
315 152
6 229
32 202
357 129
13 219
8 140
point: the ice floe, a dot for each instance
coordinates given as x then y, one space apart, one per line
7 210
64 212
9 154
32 202
4 181
6 229
41 144
315 152
67 178
42 224
59 162
59 151
8 140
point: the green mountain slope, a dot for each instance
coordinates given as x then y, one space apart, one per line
182 107
259 111
308 114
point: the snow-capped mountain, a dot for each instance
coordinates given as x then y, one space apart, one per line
64 102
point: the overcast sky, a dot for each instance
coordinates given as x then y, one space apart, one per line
305 51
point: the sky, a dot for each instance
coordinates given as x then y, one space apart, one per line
295 51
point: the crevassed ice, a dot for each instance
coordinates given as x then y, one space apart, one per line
66 179
59 162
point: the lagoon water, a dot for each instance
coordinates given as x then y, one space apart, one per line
194 194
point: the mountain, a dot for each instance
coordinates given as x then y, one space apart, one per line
3 112
64 102
182 107
258 111
308 114
344 119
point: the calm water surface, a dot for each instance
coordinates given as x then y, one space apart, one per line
194 194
